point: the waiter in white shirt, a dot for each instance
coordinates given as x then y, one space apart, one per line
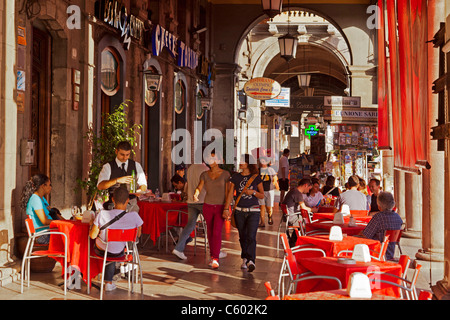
118 172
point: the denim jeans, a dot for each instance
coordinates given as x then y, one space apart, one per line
247 225
194 209
110 268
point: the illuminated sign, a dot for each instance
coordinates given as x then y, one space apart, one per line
311 131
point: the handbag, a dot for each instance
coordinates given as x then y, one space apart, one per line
249 182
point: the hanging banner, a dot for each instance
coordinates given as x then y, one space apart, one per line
383 115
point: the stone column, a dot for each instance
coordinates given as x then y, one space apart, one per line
413 205
399 192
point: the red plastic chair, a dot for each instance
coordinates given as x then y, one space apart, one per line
130 256
30 254
291 273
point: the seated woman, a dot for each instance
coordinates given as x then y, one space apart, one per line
314 197
37 208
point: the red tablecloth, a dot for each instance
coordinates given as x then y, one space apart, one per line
154 216
332 295
330 216
78 242
327 209
326 225
332 248
329 266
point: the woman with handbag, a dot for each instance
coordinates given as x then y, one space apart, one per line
249 189
215 181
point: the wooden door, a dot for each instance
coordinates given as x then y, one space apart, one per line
40 101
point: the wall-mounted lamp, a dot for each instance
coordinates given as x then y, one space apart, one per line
271 7
198 31
206 103
153 80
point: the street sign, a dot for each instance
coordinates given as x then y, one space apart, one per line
282 100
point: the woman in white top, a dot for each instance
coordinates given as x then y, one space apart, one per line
314 197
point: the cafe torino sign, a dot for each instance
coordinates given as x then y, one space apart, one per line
161 38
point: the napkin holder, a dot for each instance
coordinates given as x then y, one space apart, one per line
338 218
352 222
88 216
361 253
335 234
359 286
165 197
345 209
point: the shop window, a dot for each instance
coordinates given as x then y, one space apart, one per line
110 72
180 97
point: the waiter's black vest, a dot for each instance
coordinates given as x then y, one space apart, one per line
116 172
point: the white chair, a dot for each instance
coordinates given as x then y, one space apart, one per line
200 225
30 254
130 256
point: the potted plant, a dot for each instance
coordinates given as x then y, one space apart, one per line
114 129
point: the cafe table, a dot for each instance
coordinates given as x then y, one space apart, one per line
78 247
326 225
329 266
153 214
339 294
330 216
333 247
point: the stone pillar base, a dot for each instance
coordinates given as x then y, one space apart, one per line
434 255
440 290
413 234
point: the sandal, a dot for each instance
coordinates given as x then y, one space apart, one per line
261 225
270 220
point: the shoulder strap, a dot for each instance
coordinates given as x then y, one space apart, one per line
249 182
106 225
330 190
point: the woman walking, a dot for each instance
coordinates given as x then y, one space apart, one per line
249 189
215 181
270 182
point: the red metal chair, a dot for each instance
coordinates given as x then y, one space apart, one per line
394 236
270 292
375 255
425 295
30 254
178 224
291 273
283 226
130 256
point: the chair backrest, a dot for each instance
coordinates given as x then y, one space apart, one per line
404 261
359 213
283 208
425 295
121 235
305 215
394 235
30 227
384 246
289 256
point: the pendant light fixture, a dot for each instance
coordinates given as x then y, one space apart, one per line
272 7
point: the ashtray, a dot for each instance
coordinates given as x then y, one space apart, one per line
346 261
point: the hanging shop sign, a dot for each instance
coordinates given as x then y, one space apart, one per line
339 101
311 131
262 88
341 115
282 100
161 38
115 14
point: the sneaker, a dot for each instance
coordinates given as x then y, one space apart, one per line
214 263
110 287
222 254
179 254
251 266
244 264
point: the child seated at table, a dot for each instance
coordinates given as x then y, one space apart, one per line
128 220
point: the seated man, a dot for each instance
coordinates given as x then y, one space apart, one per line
128 220
179 184
294 201
355 199
374 186
386 219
